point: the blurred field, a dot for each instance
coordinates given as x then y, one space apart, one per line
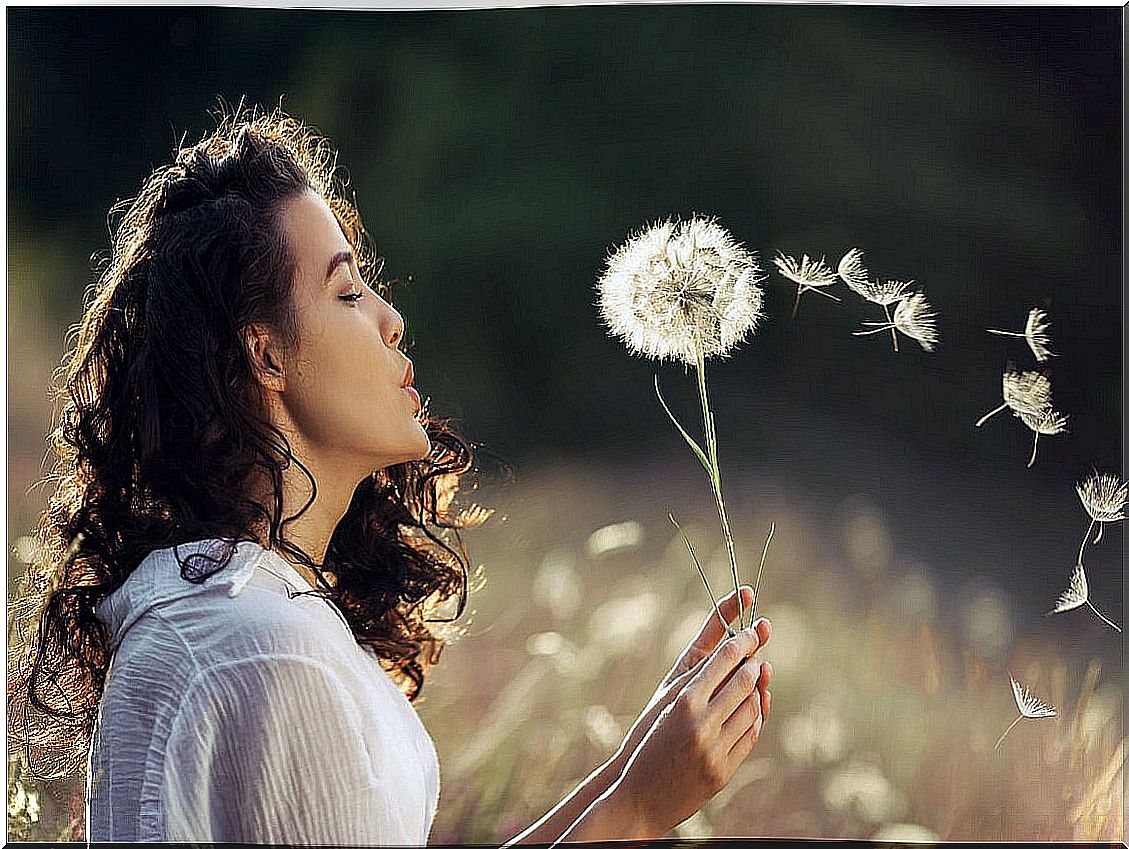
886 709
884 717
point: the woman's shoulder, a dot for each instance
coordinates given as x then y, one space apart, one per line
252 608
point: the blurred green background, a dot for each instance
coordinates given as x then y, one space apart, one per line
497 156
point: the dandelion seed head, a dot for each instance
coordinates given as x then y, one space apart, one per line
676 284
1028 705
1104 496
1037 334
807 273
853 272
1026 391
915 318
1077 594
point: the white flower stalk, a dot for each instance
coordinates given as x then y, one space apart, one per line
1037 334
912 316
1104 496
1029 707
1078 594
1046 422
807 274
1029 391
677 288
853 272
685 291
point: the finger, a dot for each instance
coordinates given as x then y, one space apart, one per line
763 629
727 657
766 676
742 719
740 688
712 632
745 743
682 678
766 705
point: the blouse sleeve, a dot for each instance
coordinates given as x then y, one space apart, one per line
270 750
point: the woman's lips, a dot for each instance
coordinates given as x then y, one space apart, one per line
411 390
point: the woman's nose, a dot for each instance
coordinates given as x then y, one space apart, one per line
394 326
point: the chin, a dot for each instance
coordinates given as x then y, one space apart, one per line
423 445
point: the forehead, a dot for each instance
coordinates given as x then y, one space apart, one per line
313 234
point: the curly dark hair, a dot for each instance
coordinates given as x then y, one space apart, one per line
163 428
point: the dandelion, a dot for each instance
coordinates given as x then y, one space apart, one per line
676 288
806 274
1029 707
912 316
1077 594
685 291
1104 496
1046 422
1023 390
1036 333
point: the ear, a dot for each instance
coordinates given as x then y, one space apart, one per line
265 356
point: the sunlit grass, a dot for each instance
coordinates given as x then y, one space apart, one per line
886 707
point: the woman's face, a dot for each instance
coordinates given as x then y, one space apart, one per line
344 392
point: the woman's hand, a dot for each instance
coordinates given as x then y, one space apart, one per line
697 650
702 734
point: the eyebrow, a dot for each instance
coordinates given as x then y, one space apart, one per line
336 260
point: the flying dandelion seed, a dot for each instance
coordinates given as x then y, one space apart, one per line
1023 390
853 272
1029 707
1104 496
1047 422
807 274
1036 333
685 291
912 316
886 293
1077 594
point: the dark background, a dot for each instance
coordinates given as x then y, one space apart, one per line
498 155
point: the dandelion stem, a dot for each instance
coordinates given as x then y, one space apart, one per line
987 416
711 444
893 331
757 585
796 306
728 628
1101 528
1082 547
1107 621
1034 448
1008 729
689 439
1007 333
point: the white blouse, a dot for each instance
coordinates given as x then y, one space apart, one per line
235 712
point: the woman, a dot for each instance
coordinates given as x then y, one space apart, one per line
250 530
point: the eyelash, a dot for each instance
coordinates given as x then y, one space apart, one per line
355 296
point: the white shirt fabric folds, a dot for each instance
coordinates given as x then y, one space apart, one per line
236 712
